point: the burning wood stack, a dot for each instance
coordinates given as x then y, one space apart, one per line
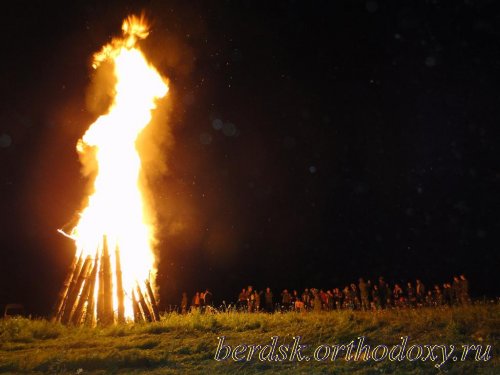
115 282
89 293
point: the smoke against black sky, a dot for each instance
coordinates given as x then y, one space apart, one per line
307 144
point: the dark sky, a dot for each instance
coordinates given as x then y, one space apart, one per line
314 142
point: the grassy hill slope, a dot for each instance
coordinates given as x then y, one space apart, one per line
187 343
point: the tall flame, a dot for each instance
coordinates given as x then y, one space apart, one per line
116 208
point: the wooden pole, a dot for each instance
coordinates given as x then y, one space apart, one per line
100 291
85 296
89 311
119 288
56 315
152 299
137 312
144 306
73 295
71 281
107 284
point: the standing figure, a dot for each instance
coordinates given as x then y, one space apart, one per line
376 298
410 292
464 290
363 291
317 301
250 299
256 299
382 292
184 303
286 299
208 298
420 292
397 295
438 296
195 302
355 297
447 298
242 300
337 298
268 300
456 289
329 299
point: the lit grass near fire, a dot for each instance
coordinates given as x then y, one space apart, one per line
187 344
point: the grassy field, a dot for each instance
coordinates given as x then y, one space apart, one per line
187 344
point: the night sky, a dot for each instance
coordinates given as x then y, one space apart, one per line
309 143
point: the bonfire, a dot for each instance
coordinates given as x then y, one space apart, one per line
112 277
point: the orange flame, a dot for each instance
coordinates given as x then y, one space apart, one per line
116 207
